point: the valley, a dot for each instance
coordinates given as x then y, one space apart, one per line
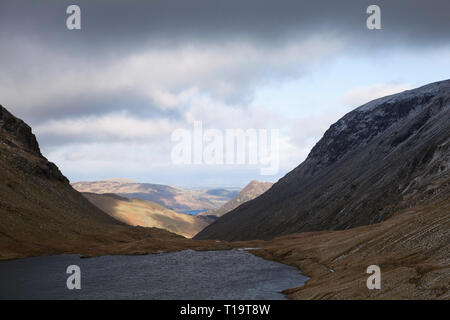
41 214
374 190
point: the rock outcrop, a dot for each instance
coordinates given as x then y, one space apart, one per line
19 129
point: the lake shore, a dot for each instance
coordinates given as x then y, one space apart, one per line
335 261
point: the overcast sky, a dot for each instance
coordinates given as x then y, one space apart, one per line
104 100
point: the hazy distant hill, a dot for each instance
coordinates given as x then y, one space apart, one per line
250 192
173 198
389 154
136 212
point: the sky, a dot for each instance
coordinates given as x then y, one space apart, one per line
105 101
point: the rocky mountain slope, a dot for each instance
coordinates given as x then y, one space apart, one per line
251 191
40 213
136 212
173 198
387 155
411 248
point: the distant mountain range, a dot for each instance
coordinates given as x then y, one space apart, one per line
174 198
250 192
136 212
387 155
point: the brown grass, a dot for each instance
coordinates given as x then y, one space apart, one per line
411 248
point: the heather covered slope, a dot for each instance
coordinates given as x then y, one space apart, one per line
251 191
136 212
389 154
40 213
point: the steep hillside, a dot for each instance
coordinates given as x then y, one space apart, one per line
174 198
40 213
251 191
389 154
411 248
136 212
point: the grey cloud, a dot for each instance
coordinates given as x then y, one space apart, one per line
147 82
134 22
93 105
114 29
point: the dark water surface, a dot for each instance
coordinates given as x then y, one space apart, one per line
232 274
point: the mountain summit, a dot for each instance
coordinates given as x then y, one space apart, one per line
388 154
19 130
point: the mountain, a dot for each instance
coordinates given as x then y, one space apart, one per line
250 192
173 198
389 154
41 214
136 212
